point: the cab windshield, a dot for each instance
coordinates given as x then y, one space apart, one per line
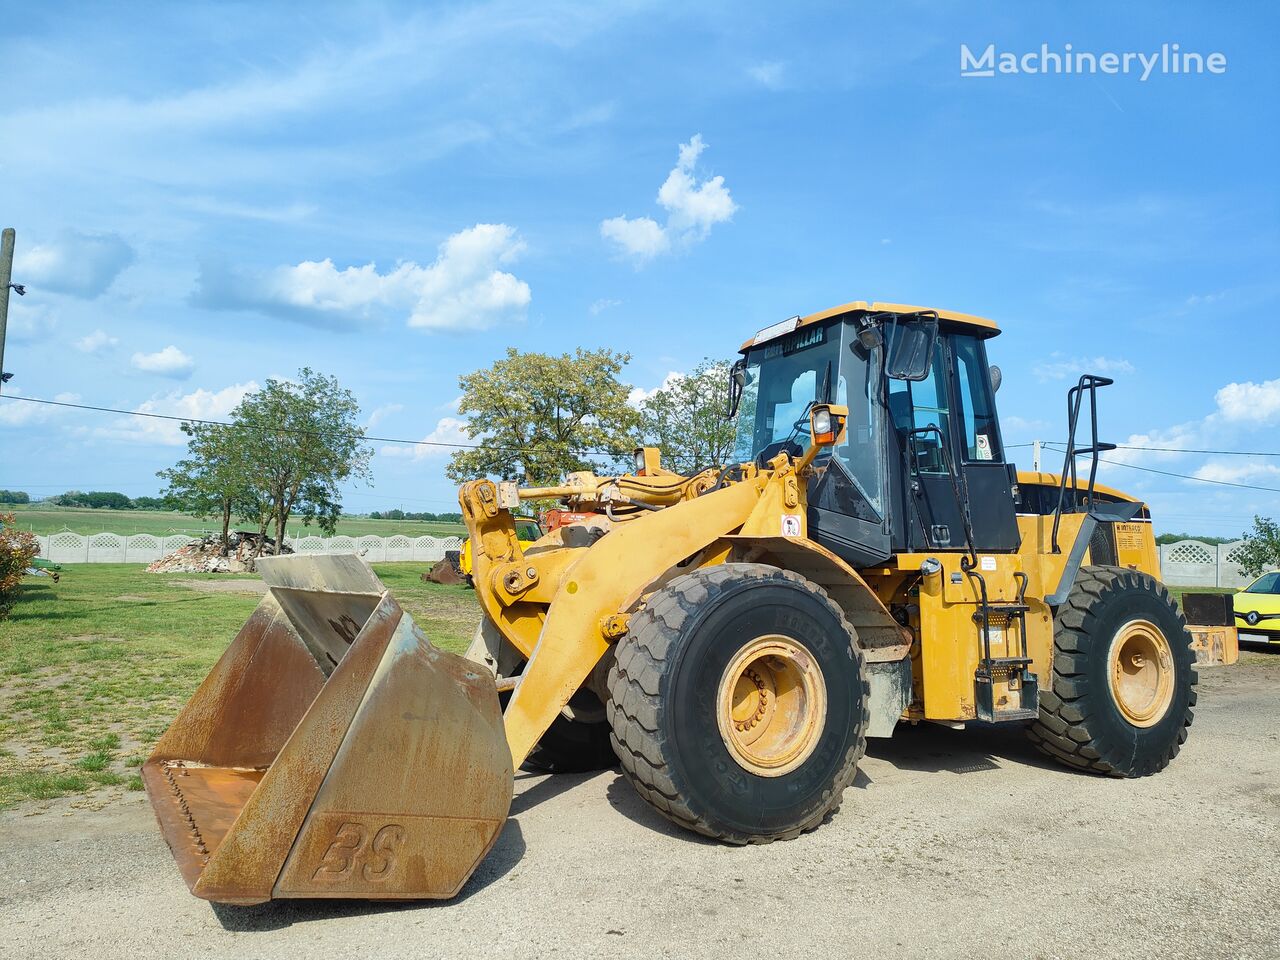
784 377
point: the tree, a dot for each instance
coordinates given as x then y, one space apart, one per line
149 503
14 496
537 417
686 418
107 500
211 479
17 549
1261 548
301 440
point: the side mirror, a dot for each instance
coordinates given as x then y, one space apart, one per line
909 346
997 378
737 381
826 424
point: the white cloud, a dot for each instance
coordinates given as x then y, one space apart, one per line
169 362
291 213
448 430
197 405
641 239
381 413
693 208
638 395
1248 471
464 288
19 413
600 306
769 73
97 342
1059 367
76 263
1249 402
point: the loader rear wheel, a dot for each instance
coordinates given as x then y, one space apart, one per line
1123 676
739 703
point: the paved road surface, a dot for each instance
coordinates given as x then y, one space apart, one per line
952 844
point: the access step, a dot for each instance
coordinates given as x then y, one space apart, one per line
1006 690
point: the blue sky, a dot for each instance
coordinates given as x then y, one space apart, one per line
206 196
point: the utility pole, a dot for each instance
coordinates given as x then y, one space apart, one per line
1035 455
6 275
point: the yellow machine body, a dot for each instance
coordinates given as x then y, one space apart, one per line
333 751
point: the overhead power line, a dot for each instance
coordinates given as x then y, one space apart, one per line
1061 448
1053 445
362 436
1136 446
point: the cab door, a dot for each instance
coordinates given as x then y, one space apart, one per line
950 454
988 479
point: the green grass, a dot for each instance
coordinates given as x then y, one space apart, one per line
94 668
43 520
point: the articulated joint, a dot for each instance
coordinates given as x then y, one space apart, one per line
515 578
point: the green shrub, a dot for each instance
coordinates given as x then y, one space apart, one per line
17 549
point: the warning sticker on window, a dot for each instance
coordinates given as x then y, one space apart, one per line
791 524
984 447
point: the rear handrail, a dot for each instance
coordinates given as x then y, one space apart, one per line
1088 383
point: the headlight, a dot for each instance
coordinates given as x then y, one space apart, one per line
639 460
822 421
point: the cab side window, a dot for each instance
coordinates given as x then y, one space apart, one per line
915 406
981 437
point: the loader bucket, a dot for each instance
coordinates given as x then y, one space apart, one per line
332 751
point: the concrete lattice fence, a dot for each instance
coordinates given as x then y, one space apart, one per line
146 547
1187 563
1191 563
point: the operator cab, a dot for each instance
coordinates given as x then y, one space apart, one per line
921 466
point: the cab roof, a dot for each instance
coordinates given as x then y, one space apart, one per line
982 326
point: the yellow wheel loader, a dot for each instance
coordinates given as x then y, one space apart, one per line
869 557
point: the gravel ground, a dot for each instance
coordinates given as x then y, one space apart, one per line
952 843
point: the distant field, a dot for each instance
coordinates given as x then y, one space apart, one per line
40 519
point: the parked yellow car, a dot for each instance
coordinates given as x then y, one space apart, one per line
1257 609
527 531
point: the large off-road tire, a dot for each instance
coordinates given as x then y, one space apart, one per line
1123 683
739 703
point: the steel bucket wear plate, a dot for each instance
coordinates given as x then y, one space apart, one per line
332 751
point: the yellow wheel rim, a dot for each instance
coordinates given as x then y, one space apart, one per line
1140 670
771 706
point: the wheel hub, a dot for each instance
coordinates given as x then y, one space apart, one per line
1140 672
771 705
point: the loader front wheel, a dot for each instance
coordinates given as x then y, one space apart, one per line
1123 681
739 704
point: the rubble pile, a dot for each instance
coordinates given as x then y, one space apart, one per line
448 570
206 555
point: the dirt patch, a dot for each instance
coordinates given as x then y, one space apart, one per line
222 586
